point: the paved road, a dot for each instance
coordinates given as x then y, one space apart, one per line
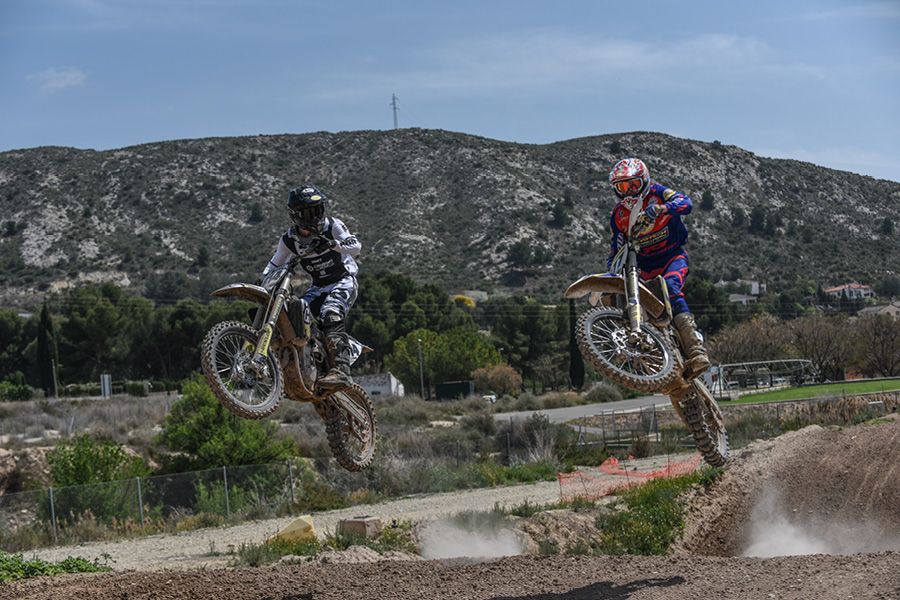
561 415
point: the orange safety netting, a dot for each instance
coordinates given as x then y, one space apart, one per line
612 476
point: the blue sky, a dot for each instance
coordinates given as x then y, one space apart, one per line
812 80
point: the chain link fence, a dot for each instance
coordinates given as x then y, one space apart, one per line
146 505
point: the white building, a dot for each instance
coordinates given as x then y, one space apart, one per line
891 310
744 299
380 384
850 291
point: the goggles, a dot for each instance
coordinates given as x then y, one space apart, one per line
307 216
628 185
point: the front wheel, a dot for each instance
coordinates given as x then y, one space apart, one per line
643 361
350 425
245 388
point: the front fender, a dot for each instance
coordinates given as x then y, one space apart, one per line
614 284
244 291
259 295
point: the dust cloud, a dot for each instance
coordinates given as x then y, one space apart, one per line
776 529
445 539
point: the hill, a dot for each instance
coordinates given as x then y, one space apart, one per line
459 210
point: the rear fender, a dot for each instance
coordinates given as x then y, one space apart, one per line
614 284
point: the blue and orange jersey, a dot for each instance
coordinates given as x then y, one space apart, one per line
665 238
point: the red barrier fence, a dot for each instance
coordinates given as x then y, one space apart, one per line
613 475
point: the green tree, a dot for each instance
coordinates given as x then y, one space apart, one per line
460 351
46 351
404 361
887 226
560 215
203 434
889 286
411 317
758 220
446 356
12 343
576 362
520 254
256 213
91 339
203 257
707 201
739 217
526 330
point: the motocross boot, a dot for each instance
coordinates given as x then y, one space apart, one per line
692 342
338 346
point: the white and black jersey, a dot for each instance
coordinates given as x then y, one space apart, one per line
325 265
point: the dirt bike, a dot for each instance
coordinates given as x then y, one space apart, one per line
628 336
249 366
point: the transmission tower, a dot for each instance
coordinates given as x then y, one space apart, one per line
395 107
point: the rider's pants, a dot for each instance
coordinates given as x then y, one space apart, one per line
674 272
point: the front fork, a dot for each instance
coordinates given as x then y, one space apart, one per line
268 328
632 306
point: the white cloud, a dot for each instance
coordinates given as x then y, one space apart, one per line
54 79
544 60
854 159
553 58
878 10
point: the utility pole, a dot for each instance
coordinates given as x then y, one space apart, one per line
421 372
55 379
395 108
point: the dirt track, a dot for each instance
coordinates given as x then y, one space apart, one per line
525 578
834 486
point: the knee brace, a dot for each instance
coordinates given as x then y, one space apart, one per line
332 322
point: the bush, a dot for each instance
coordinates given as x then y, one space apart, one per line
199 521
603 392
653 516
211 499
89 474
204 434
14 566
84 459
502 380
136 388
81 389
15 392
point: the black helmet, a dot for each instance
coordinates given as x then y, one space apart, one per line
306 205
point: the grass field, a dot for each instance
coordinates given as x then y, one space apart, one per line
827 389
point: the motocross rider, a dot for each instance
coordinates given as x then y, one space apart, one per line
326 249
661 245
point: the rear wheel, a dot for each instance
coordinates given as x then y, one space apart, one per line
350 425
706 424
249 390
643 361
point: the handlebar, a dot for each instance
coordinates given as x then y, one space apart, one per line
642 222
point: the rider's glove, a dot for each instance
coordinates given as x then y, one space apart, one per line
321 245
654 211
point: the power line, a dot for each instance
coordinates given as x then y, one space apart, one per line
395 108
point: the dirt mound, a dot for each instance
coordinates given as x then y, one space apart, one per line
816 490
521 577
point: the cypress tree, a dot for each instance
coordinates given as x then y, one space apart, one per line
576 363
46 351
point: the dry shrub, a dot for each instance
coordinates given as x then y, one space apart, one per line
502 380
